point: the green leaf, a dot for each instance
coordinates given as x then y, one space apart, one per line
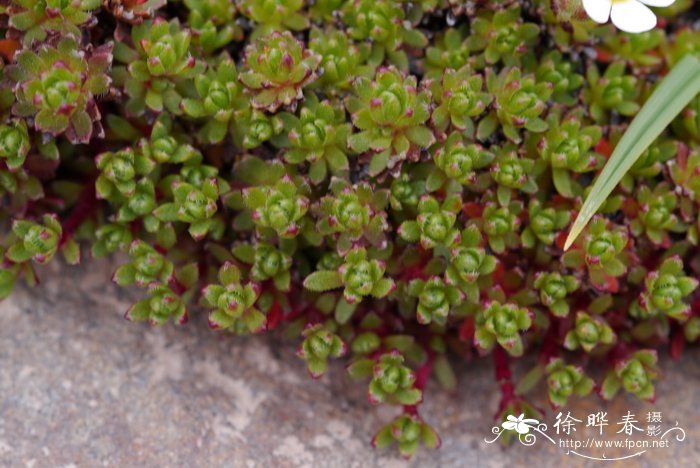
166 212
188 275
361 369
611 385
317 367
344 311
383 287
383 438
409 231
444 373
323 281
409 396
71 252
674 93
7 283
124 275
529 380
378 163
429 437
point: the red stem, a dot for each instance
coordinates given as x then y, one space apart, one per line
84 208
422 376
504 377
550 344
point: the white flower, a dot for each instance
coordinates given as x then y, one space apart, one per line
519 424
633 16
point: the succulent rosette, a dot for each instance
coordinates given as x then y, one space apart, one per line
390 114
278 67
57 87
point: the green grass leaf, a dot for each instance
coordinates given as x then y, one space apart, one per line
674 93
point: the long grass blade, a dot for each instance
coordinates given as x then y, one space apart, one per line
674 92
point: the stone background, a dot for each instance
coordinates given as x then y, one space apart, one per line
79 386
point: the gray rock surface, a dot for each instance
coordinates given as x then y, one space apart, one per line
79 386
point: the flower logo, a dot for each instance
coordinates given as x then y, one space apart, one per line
519 424
632 16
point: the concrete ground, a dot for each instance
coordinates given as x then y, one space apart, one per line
79 386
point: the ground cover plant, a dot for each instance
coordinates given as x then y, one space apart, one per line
390 183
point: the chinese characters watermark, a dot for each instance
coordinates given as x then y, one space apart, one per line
639 439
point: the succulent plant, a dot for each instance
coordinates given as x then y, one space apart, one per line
458 161
555 69
553 288
213 23
279 207
359 275
637 49
110 238
387 179
14 144
393 381
232 303
613 90
544 224
193 205
460 98
158 65
119 172
341 59
165 146
37 19
133 11
502 36
405 192
519 102
319 344
353 212
568 147
277 68
634 374
407 431
274 15
35 241
468 262
161 305
565 380
434 225
390 114
656 214
217 91
502 324
146 266
267 263
501 225
447 51
252 127
664 291
602 253
589 332
57 87
319 135
382 23
435 299
512 172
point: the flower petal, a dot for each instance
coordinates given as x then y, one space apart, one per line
509 425
658 3
598 10
522 428
632 16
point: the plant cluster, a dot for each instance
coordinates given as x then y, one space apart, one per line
389 181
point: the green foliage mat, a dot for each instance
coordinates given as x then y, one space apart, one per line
384 180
